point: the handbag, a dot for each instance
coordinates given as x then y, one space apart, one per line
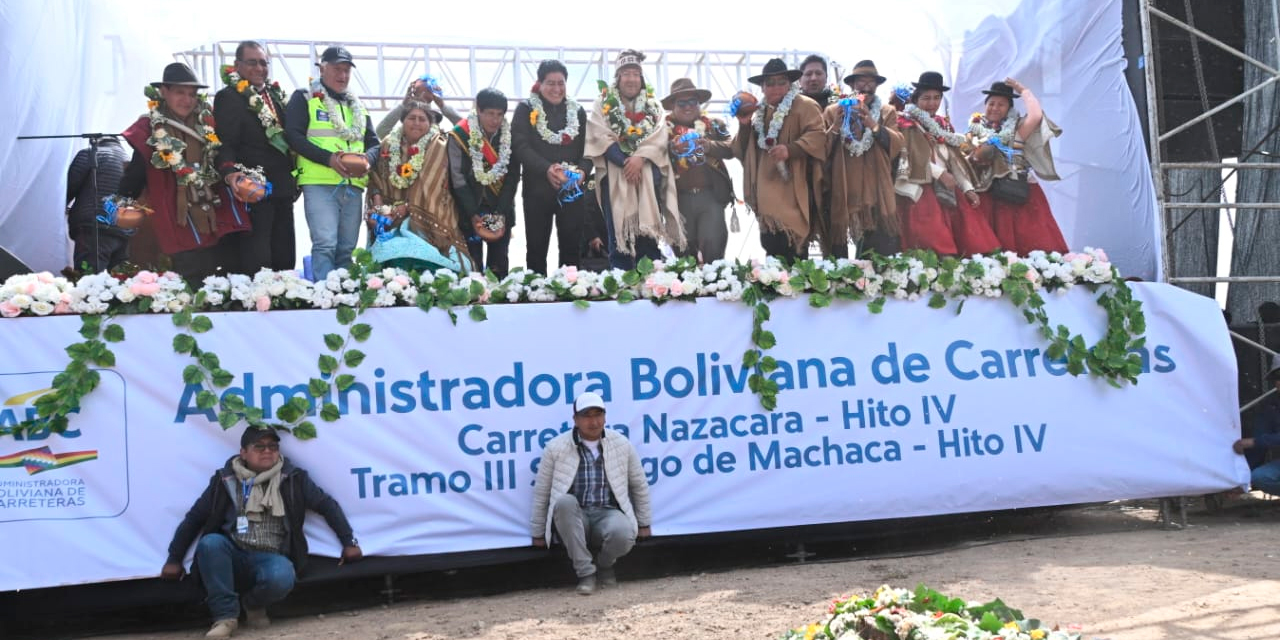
1013 189
946 197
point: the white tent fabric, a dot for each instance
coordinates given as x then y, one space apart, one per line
78 66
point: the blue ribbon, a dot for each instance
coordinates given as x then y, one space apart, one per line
432 84
903 91
847 104
1008 152
692 153
111 209
572 188
734 106
382 227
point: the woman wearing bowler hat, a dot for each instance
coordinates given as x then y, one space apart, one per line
1011 154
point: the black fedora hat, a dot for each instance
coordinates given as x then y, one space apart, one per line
930 80
178 73
864 68
775 67
1002 89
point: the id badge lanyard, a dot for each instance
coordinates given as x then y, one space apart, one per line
242 520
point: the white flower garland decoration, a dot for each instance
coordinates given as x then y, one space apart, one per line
359 116
395 140
763 140
475 144
932 127
539 116
982 132
859 146
170 150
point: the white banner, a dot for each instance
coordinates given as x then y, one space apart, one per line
911 412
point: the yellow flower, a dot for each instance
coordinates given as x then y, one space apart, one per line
1037 634
606 107
1010 625
811 631
212 137
152 104
533 118
242 85
406 170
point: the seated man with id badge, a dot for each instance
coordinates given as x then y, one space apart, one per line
249 524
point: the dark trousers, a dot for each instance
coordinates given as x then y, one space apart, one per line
646 247
541 210
498 260
270 244
109 249
880 241
197 264
778 244
704 226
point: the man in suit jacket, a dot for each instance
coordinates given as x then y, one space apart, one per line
250 113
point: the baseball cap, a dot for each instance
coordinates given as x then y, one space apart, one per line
337 54
253 434
588 400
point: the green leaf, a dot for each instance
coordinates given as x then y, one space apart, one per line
305 431
235 403
222 378
346 315
626 296
766 340
300 404
113 333
644 266
328 364
333 341
367 297
209 360
581 304
105 358
361 332
228 419
344 381
353 358
768 364
477 313
819 300
750 358
288 413
201 324
206 399
329 412
78 351
937 301
182 318
192 374
317 387
876 306
144 304
184 343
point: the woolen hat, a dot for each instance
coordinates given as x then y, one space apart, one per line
336 54
864 68
587 400
684 87
627 58
930 80
178 73
254 433
1001 89
775 67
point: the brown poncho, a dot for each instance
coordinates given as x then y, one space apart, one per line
783 205
861 187
431 211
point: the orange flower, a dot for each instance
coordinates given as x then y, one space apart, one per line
212 137
153 104
406 170
242 85
533 118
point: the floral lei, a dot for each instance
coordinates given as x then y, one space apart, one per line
538 118
170 150
937 127
267 117
982 131
630 127
701 126
358 113
763 140
475 146
405 172
858 146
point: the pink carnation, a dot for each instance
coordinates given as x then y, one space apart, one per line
144 288
30 289
145 277
1102 255
263 303
62 307
9 309
375 282
401 280
571 274
677 288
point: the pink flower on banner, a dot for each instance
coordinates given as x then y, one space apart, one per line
401 280
677 288
9 309
144 288
263 303
571 274
62 307
1102 255
861 283
375 282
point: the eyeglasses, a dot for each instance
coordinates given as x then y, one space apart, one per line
687 102
255 62
263 448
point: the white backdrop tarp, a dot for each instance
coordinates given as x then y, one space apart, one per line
79 66
913 412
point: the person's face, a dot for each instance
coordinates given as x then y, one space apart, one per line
775 87
262 454
336 75
552 88
416 124
589 423
997 108
864 85
814 78
929 101
180 98
685 109
253 66
630 82
491 120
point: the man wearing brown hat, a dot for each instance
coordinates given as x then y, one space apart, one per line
864 140
627 144
782 147
699 146
175 149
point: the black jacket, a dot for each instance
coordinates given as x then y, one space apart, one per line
536 154
87 197
244 141
476 199
215 512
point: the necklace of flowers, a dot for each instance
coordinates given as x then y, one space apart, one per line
475 145
933 126
170 150
763 140
257 104
538 118
983 132
354 133
407 171
631 127
857 146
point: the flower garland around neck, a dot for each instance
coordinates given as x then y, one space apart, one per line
359 116
856 146
538 118
937 127
257 104
170 150
767 139
982 131
405 171
475 146
631 127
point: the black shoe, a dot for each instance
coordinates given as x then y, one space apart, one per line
586 585
608 578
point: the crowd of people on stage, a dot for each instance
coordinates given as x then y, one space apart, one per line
618 179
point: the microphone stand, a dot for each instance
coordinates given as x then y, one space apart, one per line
94 140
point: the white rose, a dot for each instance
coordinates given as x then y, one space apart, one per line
41 308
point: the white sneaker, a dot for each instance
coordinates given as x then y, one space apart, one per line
223 628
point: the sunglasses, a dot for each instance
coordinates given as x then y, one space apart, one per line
263 448
687 102
255 62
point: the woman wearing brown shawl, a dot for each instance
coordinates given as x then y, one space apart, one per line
412 183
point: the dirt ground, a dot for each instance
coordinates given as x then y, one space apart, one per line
1113 569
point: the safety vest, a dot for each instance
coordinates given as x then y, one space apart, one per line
321 133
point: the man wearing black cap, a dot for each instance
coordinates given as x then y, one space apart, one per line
337 145
249 524
483 176
864 141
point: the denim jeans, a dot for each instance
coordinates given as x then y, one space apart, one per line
227 570
333 217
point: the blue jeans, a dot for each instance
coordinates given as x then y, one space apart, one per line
1266 478
333 216
264 577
